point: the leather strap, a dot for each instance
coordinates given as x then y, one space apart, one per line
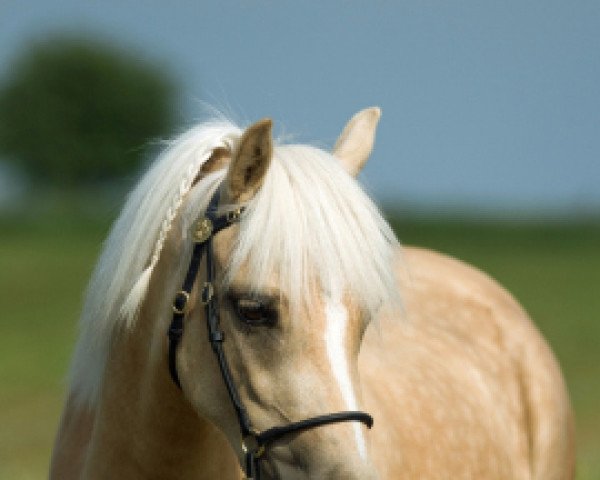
275 433
216 337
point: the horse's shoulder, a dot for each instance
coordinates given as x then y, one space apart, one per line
462 339
444 277
442 293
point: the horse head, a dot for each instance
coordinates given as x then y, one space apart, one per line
290 320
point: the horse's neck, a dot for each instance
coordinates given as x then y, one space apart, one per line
144 427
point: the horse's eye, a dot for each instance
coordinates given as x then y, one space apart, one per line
255 313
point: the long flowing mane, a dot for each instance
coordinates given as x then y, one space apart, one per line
310 220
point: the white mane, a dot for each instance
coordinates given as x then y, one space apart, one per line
310 219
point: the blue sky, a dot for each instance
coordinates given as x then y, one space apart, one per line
486 105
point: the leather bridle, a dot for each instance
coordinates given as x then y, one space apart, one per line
254 443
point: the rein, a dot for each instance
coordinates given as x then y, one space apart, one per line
254 443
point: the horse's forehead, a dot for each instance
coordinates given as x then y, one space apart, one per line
320 301
225 242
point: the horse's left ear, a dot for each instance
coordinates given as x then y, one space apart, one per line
355 143
250 162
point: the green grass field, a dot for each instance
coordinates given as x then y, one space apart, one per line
554 270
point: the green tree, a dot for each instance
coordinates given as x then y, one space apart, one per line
76 111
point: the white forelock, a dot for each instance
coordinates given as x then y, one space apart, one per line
309 221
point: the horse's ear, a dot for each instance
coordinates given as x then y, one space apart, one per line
218 160
355 143
250 161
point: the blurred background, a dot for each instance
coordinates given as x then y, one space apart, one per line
488 149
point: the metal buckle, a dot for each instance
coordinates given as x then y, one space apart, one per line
207 293
186 297
233 215
250 444
204 229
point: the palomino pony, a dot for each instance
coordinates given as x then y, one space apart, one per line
277 280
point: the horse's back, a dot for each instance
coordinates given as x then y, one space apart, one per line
461 383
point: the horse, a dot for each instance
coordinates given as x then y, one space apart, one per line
300 322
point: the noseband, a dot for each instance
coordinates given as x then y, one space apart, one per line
254 443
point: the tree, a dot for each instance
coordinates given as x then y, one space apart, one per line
76 112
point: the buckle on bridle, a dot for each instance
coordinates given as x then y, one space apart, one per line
180 302
234 215
207 293
250 445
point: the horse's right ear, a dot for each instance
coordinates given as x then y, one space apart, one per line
250 162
